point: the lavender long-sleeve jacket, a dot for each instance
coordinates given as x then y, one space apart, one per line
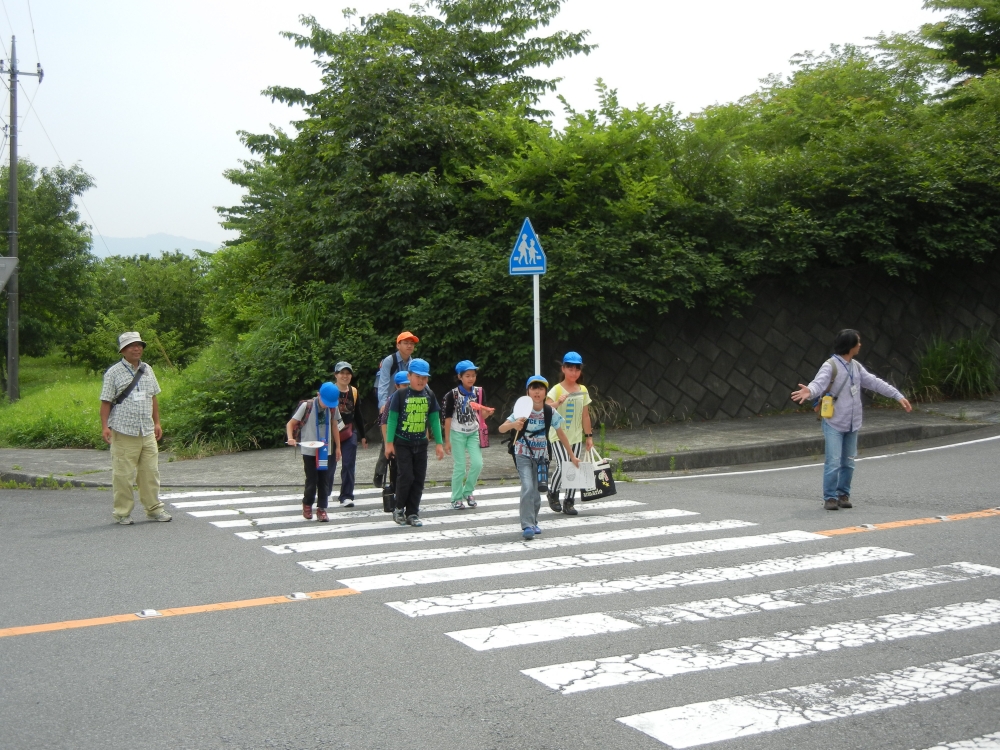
847 408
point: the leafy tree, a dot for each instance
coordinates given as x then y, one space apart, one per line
969 37
170 287
54 258
394 204
379 171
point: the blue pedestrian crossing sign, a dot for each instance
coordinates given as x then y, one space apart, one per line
527 258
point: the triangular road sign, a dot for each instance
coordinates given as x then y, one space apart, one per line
527 258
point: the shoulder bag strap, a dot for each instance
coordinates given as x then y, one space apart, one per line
140 371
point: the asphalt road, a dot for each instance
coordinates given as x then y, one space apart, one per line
352 672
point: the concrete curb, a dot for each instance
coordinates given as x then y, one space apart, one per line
753 453
23 478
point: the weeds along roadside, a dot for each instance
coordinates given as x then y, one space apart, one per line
60 405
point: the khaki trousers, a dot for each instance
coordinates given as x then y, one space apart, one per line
134 458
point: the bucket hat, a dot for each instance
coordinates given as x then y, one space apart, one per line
129 337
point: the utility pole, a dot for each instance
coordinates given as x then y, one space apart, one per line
13 355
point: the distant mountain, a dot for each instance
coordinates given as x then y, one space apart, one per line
154 244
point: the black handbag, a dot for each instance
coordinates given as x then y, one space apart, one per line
388 489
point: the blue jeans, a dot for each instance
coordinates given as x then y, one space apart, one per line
348 463
838 468
531 500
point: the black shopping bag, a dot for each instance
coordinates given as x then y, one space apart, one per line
604 484
389 487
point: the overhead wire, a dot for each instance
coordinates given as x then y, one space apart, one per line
10 25
38 58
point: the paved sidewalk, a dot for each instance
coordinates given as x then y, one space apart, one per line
675 446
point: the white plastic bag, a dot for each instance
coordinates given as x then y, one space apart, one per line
578 479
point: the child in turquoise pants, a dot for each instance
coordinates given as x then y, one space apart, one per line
462 407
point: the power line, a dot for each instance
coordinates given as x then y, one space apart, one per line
5 53
38 58
82 201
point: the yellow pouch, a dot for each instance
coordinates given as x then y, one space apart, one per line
826 407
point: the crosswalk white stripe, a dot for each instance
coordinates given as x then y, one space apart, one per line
566 562
595 623
230 501
431 508
460 517
713 721
383 526
473 600
358 501
500 548
473 533
202 493
590 674
985 742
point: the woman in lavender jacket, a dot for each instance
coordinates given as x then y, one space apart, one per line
841 430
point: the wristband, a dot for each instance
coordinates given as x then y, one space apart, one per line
588 434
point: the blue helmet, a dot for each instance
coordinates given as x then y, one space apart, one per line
420 367
401 377
464 366
572 358
329 394
536 379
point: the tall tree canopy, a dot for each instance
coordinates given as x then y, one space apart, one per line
395 202
54 255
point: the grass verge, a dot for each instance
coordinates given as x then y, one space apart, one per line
60 406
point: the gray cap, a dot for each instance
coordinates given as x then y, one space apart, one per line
343 366
130 337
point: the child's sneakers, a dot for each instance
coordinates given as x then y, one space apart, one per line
528 533
536 530
553 498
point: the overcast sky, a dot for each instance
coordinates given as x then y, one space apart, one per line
148 97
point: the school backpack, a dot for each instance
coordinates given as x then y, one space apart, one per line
393 369
515 436
297 429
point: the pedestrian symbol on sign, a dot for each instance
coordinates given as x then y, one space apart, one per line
527 258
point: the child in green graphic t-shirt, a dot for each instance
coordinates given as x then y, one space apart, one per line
412 412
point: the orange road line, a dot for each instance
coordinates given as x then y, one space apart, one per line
912 522
48 627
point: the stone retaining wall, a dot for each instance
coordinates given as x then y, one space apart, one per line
701 366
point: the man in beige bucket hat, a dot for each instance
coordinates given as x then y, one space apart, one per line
130 423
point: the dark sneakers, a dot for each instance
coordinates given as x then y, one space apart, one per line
399 516
844 501
830 504
568 508
414 521
554 502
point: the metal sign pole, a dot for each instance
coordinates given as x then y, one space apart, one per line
538 323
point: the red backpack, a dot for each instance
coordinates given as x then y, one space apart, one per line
297 429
